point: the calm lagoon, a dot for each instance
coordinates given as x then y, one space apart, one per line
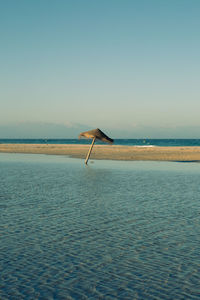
109 230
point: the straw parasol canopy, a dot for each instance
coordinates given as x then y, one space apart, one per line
95 134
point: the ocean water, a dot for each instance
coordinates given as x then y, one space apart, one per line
109 230
125 142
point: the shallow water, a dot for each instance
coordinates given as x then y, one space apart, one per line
112 230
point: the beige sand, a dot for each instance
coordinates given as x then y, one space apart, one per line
109 152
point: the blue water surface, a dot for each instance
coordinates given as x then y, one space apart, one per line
123 142
109 230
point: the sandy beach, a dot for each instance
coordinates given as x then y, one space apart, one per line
113 152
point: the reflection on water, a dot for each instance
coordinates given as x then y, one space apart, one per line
112 230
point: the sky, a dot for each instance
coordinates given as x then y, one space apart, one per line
112 64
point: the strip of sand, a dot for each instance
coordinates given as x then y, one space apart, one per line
113 152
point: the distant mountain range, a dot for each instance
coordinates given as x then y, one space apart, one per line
52 130
41 130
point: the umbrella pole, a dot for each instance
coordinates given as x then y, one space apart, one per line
90 150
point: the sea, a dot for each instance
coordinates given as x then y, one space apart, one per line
123 142
108 230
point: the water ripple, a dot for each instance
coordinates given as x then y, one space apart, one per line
69 232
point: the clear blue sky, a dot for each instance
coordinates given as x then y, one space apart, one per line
108 63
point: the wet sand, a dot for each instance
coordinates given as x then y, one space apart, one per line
113 152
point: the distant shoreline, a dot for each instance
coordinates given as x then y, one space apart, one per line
110 152
117 142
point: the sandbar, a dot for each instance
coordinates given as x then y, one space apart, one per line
111 152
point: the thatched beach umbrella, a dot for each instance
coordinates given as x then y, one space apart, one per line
95 134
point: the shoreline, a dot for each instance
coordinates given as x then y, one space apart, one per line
109 152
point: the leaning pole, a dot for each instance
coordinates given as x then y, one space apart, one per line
90 150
